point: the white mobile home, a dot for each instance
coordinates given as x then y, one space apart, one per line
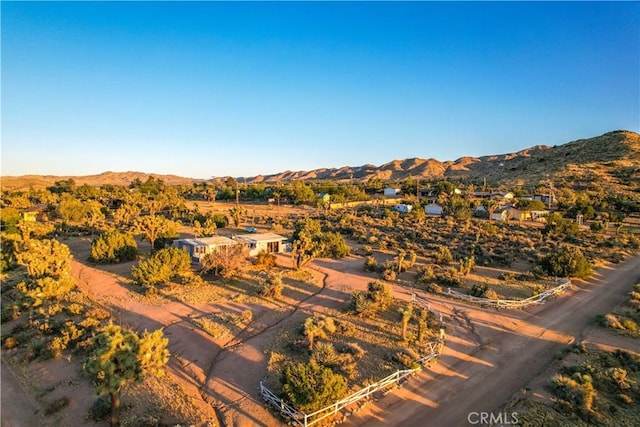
433 209
267 242
389 191
403 208
199 247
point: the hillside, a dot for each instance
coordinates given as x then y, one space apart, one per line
612 159
116 178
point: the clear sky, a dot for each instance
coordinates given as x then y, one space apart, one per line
214 89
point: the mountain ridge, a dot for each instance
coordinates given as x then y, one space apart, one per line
536 162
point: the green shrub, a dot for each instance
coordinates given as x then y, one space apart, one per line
325 354
164 265
567 261
370 264
309 386
113 247
221 220
443 256
389 274
334 245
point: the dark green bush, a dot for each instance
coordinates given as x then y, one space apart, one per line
161 267
113 247
309 386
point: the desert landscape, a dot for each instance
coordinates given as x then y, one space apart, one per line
354 291
239 214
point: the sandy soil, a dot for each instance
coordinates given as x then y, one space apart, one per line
489 355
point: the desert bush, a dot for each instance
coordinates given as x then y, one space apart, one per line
407 358
566 261
325 354
100 409
265 259
220 220
425 276
370 264
228 261
619 378
449 278
361 305
334 245
163 265
479 290
10 342
610 321
380 294
318 327
10 312
508 276
273 285
576 392
310 386
389 274
56 406
443 256
113 247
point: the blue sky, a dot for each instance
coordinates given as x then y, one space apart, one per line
214 89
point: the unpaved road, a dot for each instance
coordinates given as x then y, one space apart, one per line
491 355
18 410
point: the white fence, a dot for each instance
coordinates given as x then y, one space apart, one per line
504 303
306 420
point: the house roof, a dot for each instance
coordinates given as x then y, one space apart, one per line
208 241
261 237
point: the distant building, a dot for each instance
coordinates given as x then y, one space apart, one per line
499 195
325 197
403 208
433 209
33 214
389 191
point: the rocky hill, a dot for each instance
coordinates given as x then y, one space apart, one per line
612 158
606 154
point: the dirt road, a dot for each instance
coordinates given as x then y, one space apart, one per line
491 355
17 407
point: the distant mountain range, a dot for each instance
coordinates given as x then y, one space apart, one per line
610 157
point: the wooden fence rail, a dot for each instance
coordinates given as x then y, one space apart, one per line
503 303
306 420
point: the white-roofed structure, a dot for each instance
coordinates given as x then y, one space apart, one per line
267 242
201 246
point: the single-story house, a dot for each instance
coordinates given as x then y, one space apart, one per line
501 214
433 209
268 242
539 215
403 208
201 246
32 214
519 215
389 191
499 195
